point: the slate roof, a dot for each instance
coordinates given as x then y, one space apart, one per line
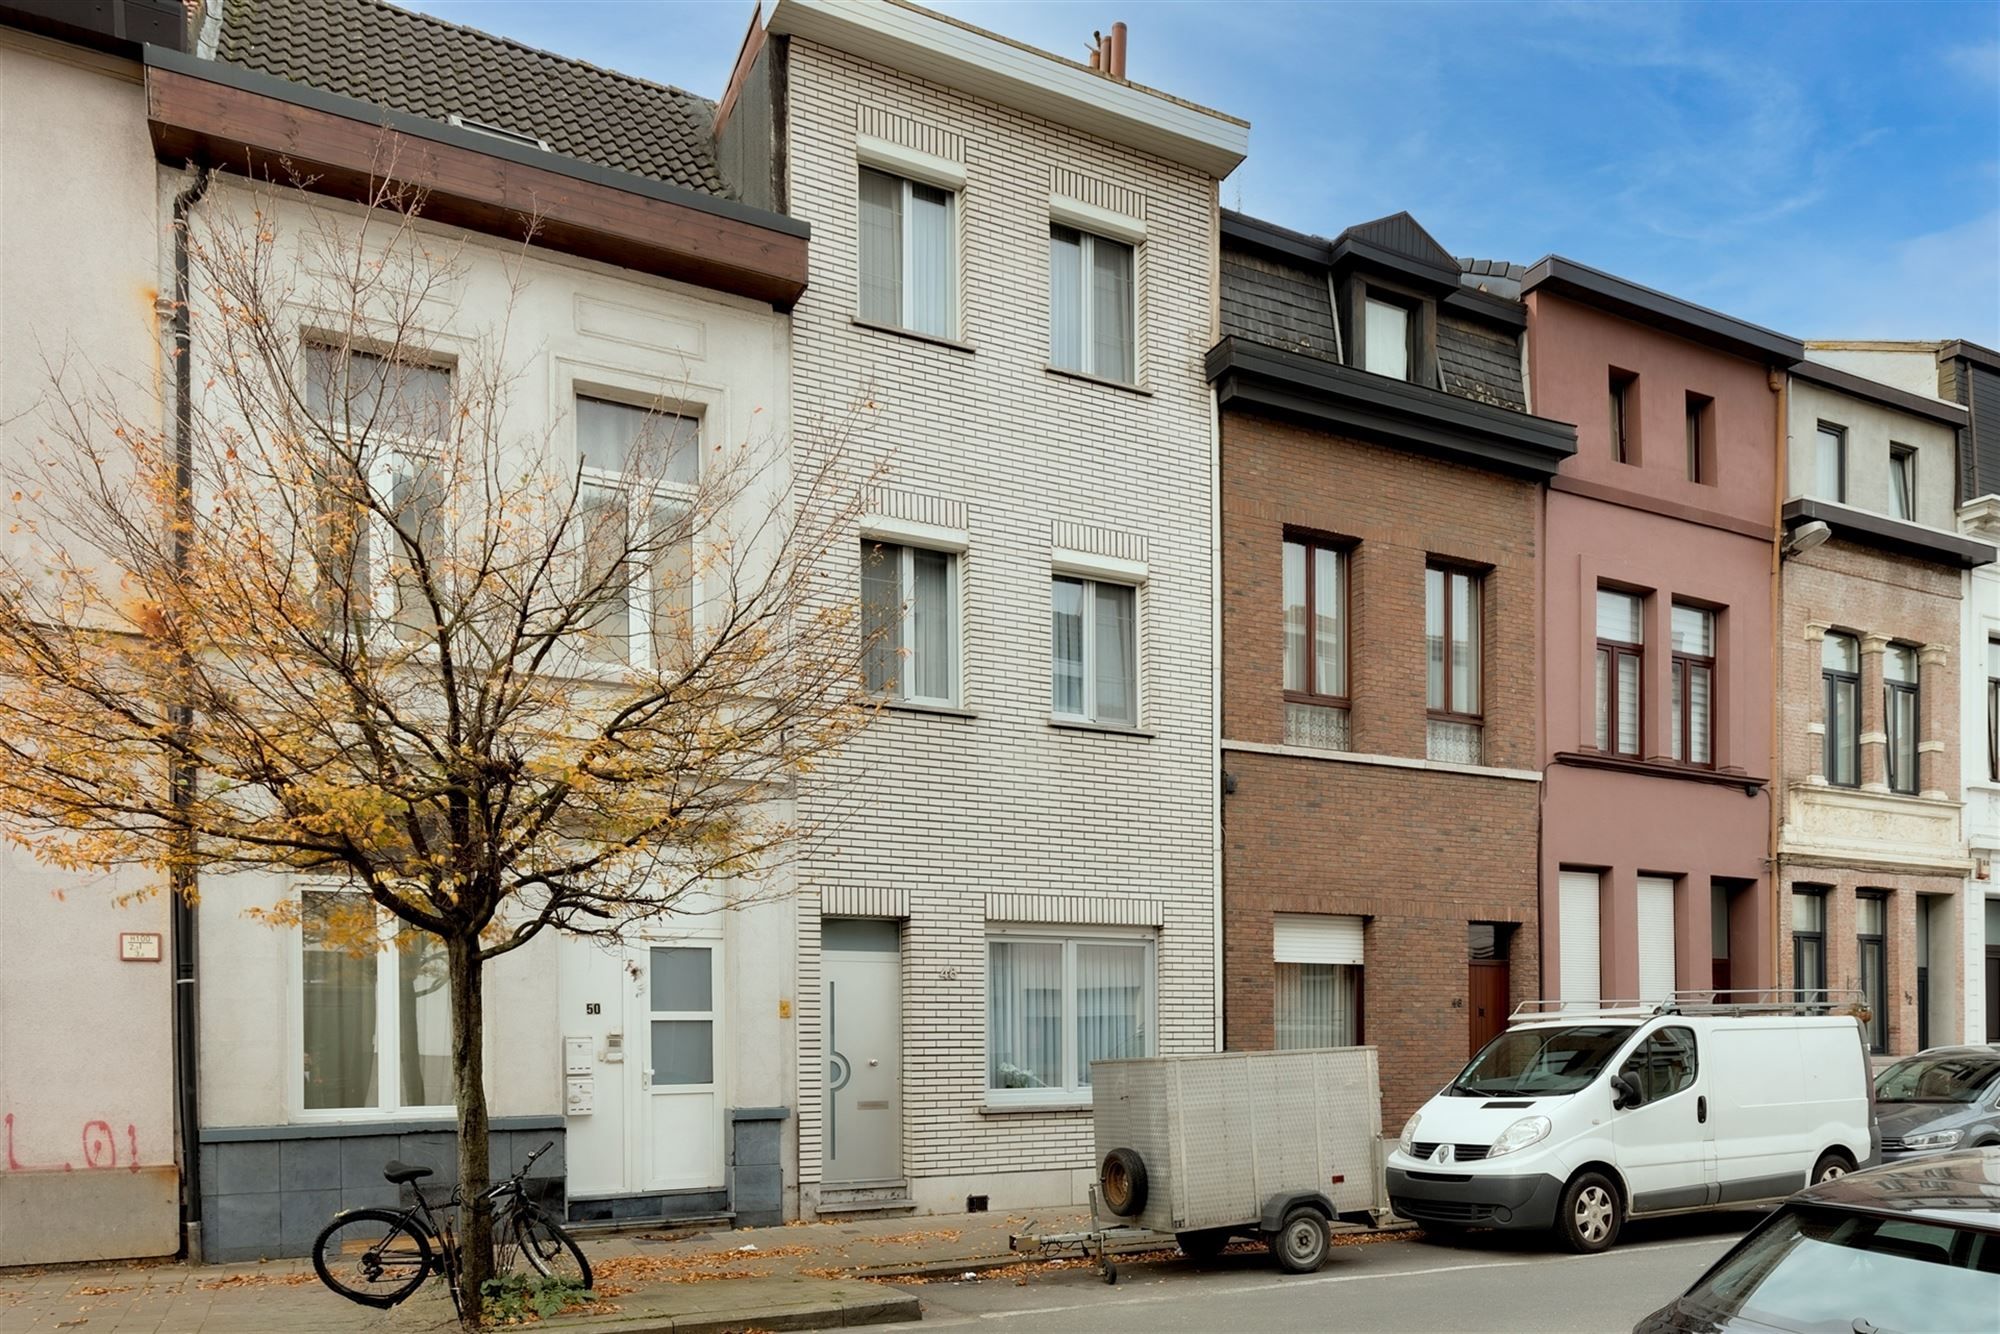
424 66
1493 268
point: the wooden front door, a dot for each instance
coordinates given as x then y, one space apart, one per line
1486 990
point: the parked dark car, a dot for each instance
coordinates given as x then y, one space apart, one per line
1941 1099
1905 1246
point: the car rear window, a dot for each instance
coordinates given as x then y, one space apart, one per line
1816 1269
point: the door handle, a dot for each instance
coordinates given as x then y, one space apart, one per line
1701 1109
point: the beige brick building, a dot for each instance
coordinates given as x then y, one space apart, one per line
1014 281
1871 848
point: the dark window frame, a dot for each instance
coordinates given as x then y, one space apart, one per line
1876 1030
1839 432
1687 663
1992 713
1903 460
1833 679
1476 576
1701 439
1412 307
1342 549
1624 404
1817 939
1611 651
1905 783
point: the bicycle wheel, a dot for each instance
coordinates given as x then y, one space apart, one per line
376 1257
548 1250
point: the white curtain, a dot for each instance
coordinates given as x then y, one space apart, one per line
606 515
1066 646
1434 664
1111 313
1386 344
1295 616
1117 654
339 1010
672 593
1024 1008
1699 737
930 668
1315 1005
1827 466
1628 703
931 261
423 1011
1110 1004
619 438
1065 298
1464 643
881 247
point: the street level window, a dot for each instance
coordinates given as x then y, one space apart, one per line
374 1011
908 255
1056 1002
1094 651
1899 715
1871 914
1809 944
1840 681
1316 998
1692 723
909 620
1093 304
1621 638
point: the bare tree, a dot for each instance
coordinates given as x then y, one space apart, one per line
349 624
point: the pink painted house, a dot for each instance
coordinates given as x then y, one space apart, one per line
1659 550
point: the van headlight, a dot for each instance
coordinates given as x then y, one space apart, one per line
1933 1139
1528 1130
1409 1131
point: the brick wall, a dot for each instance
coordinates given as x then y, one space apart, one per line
947 809
1419 851
1903 845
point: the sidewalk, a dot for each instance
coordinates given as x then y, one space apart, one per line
802 1276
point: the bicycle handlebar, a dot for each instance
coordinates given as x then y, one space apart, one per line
536 1154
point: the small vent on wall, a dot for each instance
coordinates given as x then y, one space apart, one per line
975 1204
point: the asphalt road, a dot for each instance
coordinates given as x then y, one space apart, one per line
1483 1282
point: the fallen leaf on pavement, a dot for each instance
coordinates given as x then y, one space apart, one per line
256 1281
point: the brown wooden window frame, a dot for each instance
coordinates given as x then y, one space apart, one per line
1624 405
1687 663
1342 551
1611 650
1901 772
1903 464
1476 578
1835 681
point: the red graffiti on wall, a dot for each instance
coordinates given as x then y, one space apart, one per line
100 1149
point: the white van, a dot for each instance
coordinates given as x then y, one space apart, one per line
1576 1120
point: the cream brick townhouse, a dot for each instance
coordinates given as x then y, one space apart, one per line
1014 283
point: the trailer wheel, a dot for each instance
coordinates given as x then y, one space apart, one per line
1300 1244
1121 1181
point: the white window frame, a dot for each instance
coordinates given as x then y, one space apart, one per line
639 595
1086 258
1074 1093
906 312
388 1025
1090 582
398 454
906 583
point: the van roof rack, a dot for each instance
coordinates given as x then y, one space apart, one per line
1705 1001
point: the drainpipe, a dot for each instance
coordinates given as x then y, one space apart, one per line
181 776
1780 383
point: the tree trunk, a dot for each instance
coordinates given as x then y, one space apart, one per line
468 1066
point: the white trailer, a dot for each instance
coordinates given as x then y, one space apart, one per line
1268 1144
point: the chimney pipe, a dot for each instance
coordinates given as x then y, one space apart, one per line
1097 51
1118 50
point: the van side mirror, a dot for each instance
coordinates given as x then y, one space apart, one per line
1624 1092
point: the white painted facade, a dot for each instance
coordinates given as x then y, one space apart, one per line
570 326
88 1170
986 819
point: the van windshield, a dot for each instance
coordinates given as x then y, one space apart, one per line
1531 1062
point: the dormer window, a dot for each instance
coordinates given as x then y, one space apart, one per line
1385 341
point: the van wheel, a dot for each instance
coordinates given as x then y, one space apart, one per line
1591 1213
1300 1244
1833 1163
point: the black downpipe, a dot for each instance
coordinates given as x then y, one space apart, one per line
181 777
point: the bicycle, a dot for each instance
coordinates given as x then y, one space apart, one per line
379 1257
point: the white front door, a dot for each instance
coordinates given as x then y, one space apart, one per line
862 965
678 1059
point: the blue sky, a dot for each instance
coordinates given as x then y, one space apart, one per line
1829 170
